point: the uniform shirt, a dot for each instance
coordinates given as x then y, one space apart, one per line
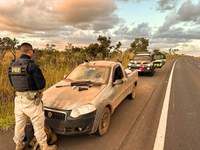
36 73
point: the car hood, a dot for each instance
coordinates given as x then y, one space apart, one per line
158 60
68 97
140 62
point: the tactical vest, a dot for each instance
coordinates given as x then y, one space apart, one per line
19 77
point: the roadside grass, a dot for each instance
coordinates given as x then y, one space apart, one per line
6 95
54 66
7 118
173 56
54 74
123 57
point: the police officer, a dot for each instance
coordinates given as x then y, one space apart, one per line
27 79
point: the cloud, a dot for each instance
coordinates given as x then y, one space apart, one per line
59 22
142 30
180 33
26 16
189 12
177 38
170 20
132 0
30 15
164 5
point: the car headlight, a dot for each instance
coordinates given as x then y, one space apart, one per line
81 110
130 65
148 65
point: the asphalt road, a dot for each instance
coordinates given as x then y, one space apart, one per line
134 123
183 127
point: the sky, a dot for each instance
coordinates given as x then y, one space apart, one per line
167 24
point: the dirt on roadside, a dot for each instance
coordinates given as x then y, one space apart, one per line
6 139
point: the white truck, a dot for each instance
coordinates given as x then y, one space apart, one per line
82 103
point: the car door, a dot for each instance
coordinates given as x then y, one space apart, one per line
118 94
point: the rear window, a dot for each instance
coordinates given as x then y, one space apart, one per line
157 56
142 57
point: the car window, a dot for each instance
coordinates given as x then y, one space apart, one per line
118 74
159 56
147 58
98 74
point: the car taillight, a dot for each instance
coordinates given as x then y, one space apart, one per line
142 67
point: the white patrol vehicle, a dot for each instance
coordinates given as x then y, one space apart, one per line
143 63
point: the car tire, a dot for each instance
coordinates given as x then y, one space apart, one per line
104 122
151 73
131 96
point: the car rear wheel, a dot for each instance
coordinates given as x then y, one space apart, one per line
131 96
104 122
151 73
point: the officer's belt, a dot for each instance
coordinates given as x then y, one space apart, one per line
30 95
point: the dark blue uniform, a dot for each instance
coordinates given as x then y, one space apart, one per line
25 75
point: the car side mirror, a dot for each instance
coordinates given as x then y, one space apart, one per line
117 82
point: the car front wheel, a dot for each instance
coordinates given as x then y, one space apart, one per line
104 122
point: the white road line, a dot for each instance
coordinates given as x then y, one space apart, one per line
160 137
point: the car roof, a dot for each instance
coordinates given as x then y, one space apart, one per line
144 54
108 63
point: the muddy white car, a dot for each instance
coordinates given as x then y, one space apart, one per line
84 101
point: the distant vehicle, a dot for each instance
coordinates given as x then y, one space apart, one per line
159 60
143 63
82 103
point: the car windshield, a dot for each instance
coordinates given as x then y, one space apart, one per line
147 58
96 74
159 56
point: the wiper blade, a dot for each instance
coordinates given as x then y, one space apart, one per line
85 83
80 83
96 84
59 86
66 84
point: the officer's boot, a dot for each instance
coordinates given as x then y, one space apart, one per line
48 147
20 146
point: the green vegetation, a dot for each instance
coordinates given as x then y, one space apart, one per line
55 64
7 44
173 56
6 95
7 118
139 45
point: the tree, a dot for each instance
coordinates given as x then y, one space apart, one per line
51 47
105 45
101 49
68 47
93 50
173 51
117 47
156 51
139 45
8 44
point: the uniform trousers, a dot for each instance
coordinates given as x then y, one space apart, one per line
25 108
